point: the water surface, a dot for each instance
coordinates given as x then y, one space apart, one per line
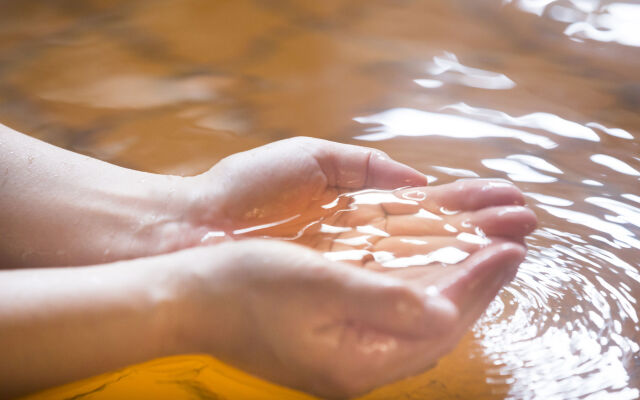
544 93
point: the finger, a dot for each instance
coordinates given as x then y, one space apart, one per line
508 221
356 167
490 270
406 246
473 284
462 195
470 280
435 274
479 278
407 252
390 306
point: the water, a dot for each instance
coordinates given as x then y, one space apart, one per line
544 93
380 229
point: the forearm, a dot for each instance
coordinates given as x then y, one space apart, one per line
62 208
62 324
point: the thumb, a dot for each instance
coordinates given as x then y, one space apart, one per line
356 167
391 306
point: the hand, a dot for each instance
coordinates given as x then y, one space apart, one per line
286 178
84 211
287 314
284 187
277 310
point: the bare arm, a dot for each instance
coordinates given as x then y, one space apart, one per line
279 311
62 324
62 208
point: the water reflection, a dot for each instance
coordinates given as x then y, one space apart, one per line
619 233
518 171
591 336
445 66
446 255
380 229
428 83
412 122
545 121
617 132
614 164
139 91
598 20
626 214
583 346
616 22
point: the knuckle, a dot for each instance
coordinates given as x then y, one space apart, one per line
303 140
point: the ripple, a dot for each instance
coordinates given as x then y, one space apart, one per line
539 120
517 171
412 122
614 164
578 346
597 20
447 67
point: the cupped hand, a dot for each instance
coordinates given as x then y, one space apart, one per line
285 178
285 188
287 314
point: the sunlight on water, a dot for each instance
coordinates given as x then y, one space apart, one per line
601 20
543 93
411 122
472 77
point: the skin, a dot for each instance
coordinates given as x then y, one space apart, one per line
122 214
278 310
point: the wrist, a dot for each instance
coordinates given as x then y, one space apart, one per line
173 313
198 309
165 214
159 211
70 209
192 215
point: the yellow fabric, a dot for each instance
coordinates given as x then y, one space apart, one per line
461 375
